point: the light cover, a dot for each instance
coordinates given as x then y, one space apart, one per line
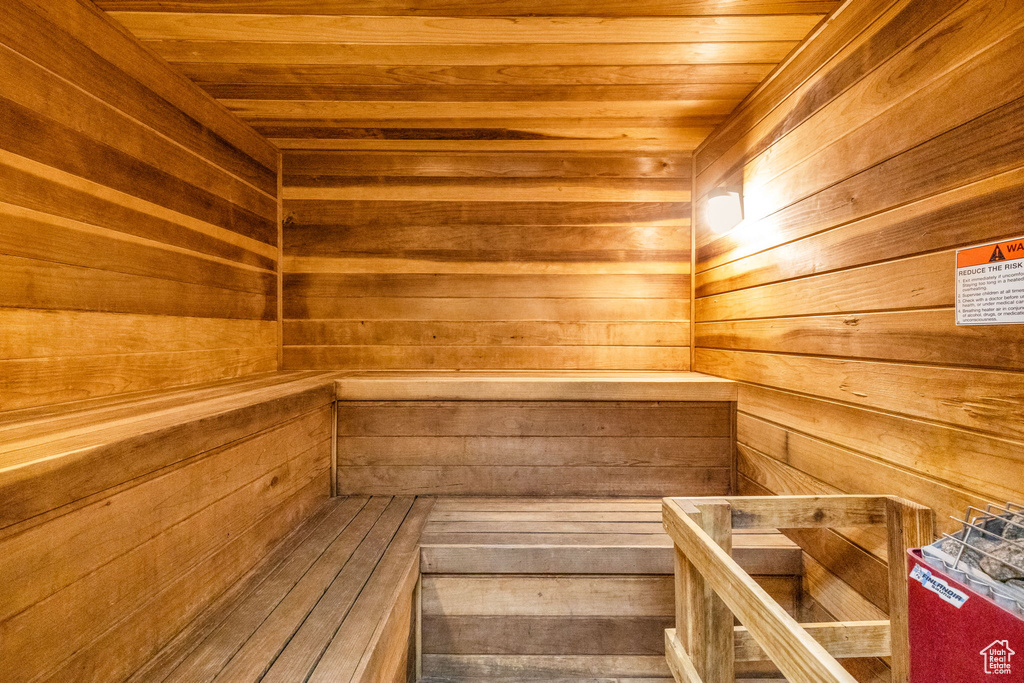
724 210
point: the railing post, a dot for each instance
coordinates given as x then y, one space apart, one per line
704 624
909 526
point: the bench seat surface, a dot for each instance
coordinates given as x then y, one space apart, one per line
57 455
331 603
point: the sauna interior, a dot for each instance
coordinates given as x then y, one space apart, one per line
361 340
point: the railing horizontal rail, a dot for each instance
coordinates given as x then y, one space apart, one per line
840 639
712 589
798 656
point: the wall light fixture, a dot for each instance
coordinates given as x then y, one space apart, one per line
724 210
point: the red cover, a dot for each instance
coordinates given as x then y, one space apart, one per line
975 642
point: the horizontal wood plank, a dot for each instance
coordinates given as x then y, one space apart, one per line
444 30
571 53
534 451
130 196
497 418
463 8
342 164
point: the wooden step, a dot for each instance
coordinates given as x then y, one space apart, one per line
577 589
574 536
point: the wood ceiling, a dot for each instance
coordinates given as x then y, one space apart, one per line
499 75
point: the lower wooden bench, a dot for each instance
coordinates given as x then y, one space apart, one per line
573 590
334 602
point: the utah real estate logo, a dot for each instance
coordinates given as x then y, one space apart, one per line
997 657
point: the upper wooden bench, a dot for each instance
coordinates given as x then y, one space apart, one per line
535 433
53 456
121 518
56 455
526 385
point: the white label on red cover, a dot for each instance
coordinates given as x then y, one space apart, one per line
938 586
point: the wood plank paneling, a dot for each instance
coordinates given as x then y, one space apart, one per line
504 8
506 234
51 459
401 29
863 170
523 448
288 61
500 132
139 238
241 52
478 261
321 165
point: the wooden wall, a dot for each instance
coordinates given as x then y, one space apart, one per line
535 448
138 218
481 185
892 139
486 260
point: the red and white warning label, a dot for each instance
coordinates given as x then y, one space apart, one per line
990 284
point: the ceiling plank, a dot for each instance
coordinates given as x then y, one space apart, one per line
303 109
449 30
427 75
730 92
501 8
239 50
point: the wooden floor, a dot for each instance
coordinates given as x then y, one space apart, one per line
531 589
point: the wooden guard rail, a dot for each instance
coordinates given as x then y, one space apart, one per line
711 589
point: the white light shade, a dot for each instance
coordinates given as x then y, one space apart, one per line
724 210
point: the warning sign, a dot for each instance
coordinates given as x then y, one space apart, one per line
990 284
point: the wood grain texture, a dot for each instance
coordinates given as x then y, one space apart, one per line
798 656
575 53
503 248
533 447
478 77
556 604
56 457
94 547
404 29
480 133
329 164
530 386
503 8
361 556
833 303
131 199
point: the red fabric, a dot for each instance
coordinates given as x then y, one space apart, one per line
946 642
